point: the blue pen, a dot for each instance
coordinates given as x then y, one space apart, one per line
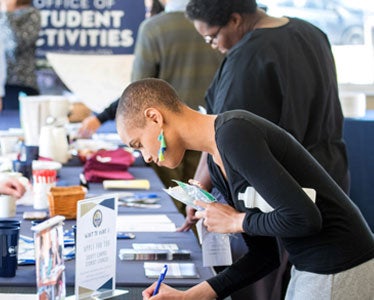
160 279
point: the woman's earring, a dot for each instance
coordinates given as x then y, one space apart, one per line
163 146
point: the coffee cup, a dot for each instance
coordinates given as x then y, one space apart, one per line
10 222
9 236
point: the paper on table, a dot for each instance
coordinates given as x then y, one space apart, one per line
127 184
145 223
153 246
175 270
97 80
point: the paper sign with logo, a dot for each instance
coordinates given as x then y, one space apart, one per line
96 239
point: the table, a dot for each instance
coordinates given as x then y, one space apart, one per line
359 138
129 274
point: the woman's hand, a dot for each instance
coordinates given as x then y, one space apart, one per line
221 218
201 291
165 292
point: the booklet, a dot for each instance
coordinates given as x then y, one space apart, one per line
187 194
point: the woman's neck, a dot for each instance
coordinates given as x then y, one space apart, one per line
197 130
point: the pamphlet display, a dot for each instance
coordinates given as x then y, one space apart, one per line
49 261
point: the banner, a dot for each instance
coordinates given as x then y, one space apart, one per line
88 26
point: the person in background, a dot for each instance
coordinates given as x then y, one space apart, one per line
12 186
168 47
24 24
153 8
331 246
2 72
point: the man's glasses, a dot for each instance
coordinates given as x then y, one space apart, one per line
210 38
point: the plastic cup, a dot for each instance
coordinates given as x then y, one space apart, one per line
8 248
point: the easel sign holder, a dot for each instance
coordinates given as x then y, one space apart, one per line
96 248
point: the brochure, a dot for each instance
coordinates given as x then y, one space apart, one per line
187 194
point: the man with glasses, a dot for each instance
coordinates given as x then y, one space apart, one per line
281 69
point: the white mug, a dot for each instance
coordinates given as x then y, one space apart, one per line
7 206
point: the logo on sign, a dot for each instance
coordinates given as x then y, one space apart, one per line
97 218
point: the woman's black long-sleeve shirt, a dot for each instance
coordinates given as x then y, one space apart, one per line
325 237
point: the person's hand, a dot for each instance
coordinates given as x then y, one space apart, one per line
89 126
220 218
12 187
165 292
190 219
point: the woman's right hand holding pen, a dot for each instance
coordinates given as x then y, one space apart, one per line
202 291
165 292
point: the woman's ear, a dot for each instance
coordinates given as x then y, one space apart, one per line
153 115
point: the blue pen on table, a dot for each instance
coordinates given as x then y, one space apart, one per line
160 279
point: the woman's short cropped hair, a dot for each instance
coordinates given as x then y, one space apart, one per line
144 93
218 12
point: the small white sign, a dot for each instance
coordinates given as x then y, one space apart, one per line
96 246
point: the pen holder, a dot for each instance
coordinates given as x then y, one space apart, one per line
63 200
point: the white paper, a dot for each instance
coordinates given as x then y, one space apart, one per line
145 223
175 270
154 246
215 247
97 80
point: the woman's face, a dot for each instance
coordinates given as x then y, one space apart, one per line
222 38
146 141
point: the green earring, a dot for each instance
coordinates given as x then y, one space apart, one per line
161 151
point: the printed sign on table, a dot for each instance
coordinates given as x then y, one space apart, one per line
96 239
